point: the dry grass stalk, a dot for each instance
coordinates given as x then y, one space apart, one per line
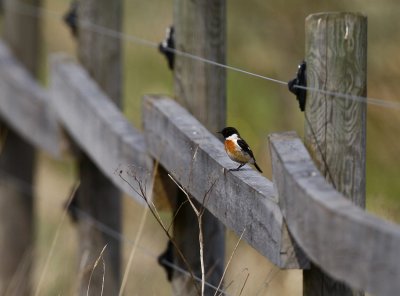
229 262
233 280
133 251
53 243
273 272
244 284
94 267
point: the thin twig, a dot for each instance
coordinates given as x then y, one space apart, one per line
244 284
229 261
179 186
143 195
232 281
274 271
176 214
207 195
239 287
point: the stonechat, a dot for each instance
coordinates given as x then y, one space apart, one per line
237 148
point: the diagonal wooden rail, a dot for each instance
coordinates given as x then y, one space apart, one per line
196 159
342 239
25 106
98 127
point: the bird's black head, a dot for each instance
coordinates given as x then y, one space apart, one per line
229 131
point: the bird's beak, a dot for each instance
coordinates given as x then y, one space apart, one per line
219 132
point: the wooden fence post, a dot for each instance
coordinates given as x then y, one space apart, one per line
22 33
335 127
101 56
200 29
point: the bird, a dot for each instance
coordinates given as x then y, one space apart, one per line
237 148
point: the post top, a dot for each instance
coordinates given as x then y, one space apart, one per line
335 15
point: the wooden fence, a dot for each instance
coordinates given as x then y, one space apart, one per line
298 221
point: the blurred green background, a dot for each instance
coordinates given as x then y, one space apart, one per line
266 37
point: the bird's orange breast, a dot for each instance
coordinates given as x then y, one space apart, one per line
235 153
230 146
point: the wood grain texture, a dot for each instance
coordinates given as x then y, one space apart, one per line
25 106
200 29
96 124
336 56
101 56
335 134
196 159
347 243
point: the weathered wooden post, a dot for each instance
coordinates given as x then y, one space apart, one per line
101 56
22 33
335 127
200 29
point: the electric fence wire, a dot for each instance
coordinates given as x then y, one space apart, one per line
26 188
40 12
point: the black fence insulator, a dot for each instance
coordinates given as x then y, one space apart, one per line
71 18
72 207
299 80
167 256
167 47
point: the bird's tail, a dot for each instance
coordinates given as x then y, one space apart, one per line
257 167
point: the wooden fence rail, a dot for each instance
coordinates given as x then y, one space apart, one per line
96 124
25 105
343 240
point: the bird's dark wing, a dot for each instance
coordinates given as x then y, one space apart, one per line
245 147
